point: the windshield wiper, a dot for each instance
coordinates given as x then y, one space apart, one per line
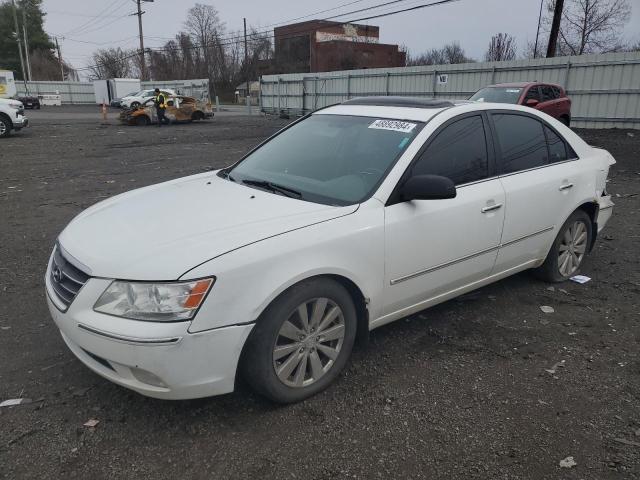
227 175
274 187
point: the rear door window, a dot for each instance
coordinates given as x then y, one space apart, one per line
547 93
557 147
522 142
532 94
458 152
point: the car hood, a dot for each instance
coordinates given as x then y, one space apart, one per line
8 101
162 231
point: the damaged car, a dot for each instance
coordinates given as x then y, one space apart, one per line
179 109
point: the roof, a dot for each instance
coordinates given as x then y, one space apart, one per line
394 101
522 84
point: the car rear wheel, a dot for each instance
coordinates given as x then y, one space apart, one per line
301 342
5 126
566 120
568 250
142 120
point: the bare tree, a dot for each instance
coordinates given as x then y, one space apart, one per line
45 66
112 63
205 28
449 54
589 26
502 47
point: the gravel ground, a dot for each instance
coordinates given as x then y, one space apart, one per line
463 390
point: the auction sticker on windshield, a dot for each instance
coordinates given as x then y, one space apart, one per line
395 125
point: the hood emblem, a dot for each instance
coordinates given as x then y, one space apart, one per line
57 274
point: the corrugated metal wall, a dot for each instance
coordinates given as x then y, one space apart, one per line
604 89
70 92
83 92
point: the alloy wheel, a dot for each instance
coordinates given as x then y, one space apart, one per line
572 248
3 127
308 342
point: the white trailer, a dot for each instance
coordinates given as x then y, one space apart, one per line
107 90
7 84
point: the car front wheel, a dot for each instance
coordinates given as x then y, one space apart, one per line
302 341
568 250
5 127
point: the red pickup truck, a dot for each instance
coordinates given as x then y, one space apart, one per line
547 97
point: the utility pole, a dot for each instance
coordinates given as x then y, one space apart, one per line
555 29
15 21
246 66
26 41
535 48
143 66
60 60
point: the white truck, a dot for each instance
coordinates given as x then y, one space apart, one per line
11 111
109 90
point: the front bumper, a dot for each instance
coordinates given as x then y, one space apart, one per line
605 210
20 122
161 360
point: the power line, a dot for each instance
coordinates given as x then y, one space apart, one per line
98 18
395 12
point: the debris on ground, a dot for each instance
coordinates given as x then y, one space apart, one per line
547 309
568 462
15 401
91 423
626 442
580 278
555 367
551 289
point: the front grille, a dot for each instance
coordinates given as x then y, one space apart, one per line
66 280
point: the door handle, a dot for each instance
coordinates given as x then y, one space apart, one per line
566 186
490 208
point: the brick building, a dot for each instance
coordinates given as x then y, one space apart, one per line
323 46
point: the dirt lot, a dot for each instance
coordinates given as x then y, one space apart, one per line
463 390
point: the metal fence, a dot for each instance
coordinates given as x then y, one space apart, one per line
604 88
83 92
70 92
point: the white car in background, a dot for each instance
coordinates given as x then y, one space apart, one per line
11 116
138 98
348 219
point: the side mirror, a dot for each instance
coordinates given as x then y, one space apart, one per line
532 102
428 187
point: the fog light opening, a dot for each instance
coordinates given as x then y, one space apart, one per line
147 377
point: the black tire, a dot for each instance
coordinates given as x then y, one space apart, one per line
566 120
257 363
197 115
550 270
5 126
142 120
134 105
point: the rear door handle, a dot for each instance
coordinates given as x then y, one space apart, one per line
566 186
490 208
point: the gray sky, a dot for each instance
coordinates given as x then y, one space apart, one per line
470 22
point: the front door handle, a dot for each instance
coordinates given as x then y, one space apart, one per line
566 186
490 208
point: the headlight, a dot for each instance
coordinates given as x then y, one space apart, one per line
156 302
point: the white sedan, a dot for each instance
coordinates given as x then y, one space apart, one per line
348 219
135 100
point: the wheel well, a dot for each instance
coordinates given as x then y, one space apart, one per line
591 209
5 116
362 334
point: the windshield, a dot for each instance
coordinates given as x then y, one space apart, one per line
331 159
498 95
